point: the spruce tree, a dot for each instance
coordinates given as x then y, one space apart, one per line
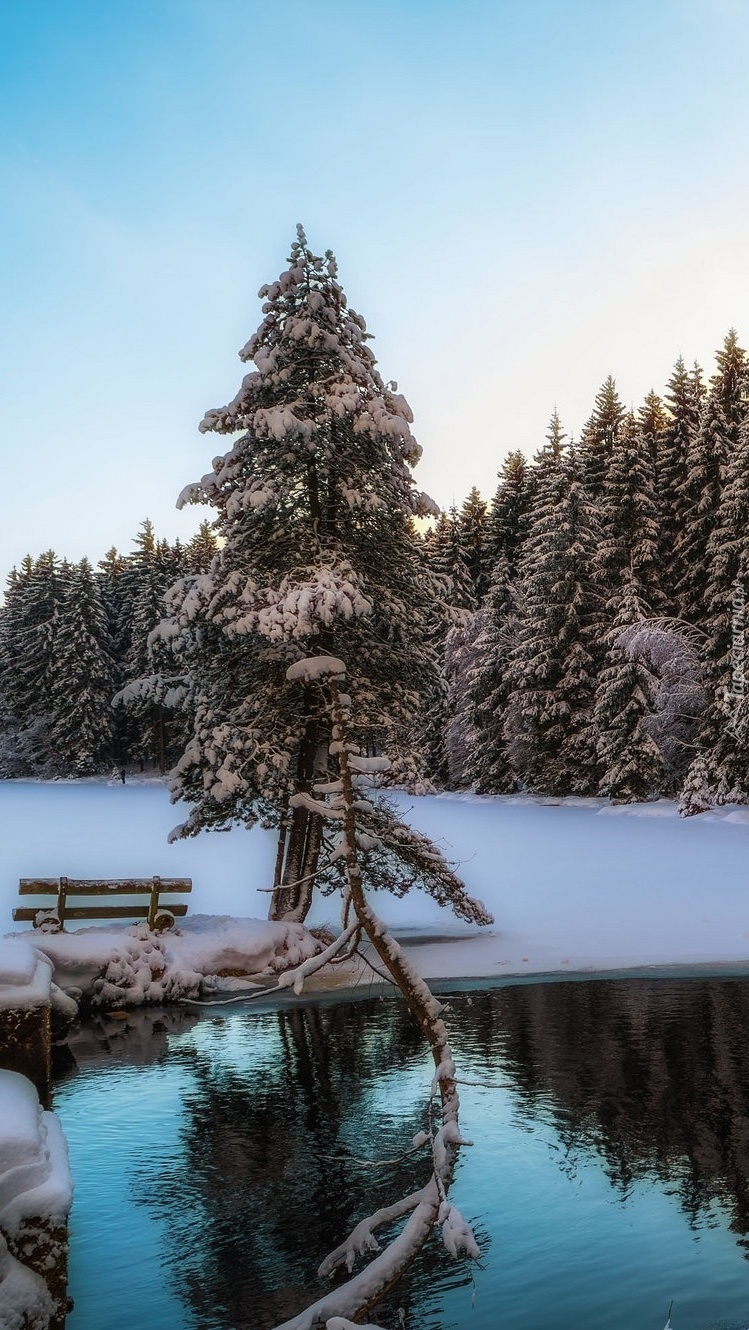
546 459
445 550
148 734
116 598
507 519
17 755
725 734
30 623
461 658
472 523
314 501
455 599
684 396
631 766
708 458
630 544
201 549
81 731
549 729
489 687
652 419
598 437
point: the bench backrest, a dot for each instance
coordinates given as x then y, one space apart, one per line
88 892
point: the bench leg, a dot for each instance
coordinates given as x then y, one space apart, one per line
61 901
153 907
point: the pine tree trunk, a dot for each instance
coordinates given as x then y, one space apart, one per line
300 834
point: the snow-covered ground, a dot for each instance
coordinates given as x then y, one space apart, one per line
576 885
36 1192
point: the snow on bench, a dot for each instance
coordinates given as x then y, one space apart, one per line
89 893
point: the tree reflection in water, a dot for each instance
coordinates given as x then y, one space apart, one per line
651 1077
261 1184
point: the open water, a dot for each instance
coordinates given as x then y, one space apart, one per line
214 1158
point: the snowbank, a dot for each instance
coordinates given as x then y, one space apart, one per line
130 966
35 1180
36 1193
25 976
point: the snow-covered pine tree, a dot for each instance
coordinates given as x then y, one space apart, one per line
652 419
549 730
707 461
13 759
150 735
724 738
672 654
507 519
115 589
546 459
472 521
697 795
445 551
461 658
631 766
16 758
200 550
683 397
489 686
146 741
111 575
82 731
630 544
30 621
598 437
314 501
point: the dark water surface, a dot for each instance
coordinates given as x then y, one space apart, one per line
609 1175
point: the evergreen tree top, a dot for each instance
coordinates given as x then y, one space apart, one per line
315 397
608 414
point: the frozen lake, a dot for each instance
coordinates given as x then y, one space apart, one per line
575 885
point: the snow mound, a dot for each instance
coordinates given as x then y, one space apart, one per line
133 967
35 1177
36 1192
25 976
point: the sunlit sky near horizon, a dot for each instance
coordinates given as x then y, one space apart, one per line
523 196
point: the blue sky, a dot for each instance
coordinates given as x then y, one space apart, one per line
523 195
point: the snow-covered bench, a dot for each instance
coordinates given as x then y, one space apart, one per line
90 893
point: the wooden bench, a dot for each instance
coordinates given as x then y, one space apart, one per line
89 892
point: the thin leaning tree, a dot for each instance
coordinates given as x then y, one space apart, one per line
364 836
315 501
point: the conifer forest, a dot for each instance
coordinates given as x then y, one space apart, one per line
580 632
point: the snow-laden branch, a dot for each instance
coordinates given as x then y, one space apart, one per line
361 1241
291 978
374 1280
340 1323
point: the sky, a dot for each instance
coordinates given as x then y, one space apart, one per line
524 196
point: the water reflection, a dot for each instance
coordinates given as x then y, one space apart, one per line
619 1143
651 1075
261 1185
